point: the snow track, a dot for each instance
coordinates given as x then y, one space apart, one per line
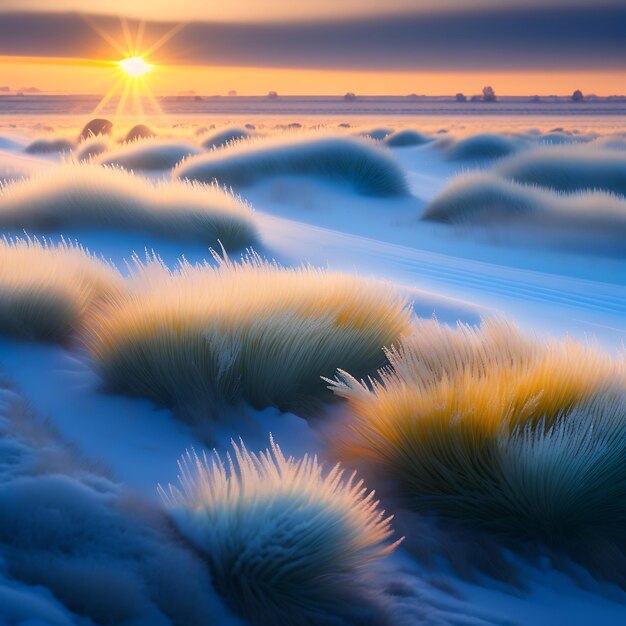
587 306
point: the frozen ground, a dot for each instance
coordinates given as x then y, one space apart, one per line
451 272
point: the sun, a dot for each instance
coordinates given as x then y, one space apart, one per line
135 66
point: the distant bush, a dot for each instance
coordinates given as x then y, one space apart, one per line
499 431
481 147
577 96
46 290
149 154
87 195
202 336
285 541
569 169
489 95
460 97
365 167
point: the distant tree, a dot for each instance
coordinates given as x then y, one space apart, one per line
577 96
475 99
535 99
489 95
272 94
349 97
460 97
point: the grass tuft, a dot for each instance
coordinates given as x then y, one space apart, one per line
358 163
285 541
200 336
499 431
45 290
569 169
76 195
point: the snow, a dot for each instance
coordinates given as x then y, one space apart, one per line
446 272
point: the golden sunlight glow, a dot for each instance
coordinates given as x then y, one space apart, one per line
135 66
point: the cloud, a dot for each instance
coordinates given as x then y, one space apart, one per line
540 38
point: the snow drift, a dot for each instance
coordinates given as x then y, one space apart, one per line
87 195
199 336
78 547
286 541
367 168
46 290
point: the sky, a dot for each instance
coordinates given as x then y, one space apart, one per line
319 47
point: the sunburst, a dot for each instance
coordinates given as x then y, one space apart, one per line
130 72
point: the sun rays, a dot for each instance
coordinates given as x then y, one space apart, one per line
130 87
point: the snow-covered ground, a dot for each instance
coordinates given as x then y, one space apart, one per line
451 272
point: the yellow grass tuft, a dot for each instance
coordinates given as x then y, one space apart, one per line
446 414
202 335
45 289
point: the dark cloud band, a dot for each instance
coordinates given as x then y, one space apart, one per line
532 38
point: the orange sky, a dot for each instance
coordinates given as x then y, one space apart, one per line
89 77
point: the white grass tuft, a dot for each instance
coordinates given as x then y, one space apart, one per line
285 541
481 147
406 138
92 147
45 290
486 199
359 163
149 154
569 169
74 195
201 335
224 137
498 430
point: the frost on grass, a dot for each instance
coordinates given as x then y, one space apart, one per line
481 147
225 137
92 147
498 430
78 195
202 335
368 169
406 138
45 290
286 541
79 548
569 169
149 154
